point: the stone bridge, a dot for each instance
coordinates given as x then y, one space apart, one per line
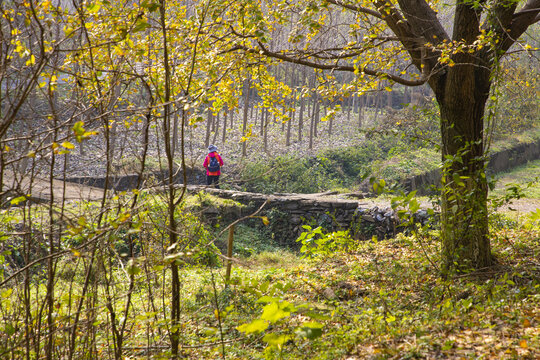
287 212
330 210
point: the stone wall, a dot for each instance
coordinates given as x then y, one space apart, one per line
499 161
288 212
518 155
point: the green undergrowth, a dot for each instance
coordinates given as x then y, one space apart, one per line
529 135
339 168
250 239
405 164
344 299
377 300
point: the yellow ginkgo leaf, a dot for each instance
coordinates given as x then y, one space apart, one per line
68 145
31 60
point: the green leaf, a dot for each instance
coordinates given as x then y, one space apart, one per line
94 7
68 145
141 26
6 293
275 339
150 5
274 312
18 200
267 299
255 326
132 268
317 316
9 329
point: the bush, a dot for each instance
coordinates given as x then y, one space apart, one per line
343 167
288 174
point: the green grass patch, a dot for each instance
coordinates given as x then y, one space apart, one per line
250 239
525 176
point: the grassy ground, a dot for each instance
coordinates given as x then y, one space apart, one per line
378 300
521 175
521 186
349 300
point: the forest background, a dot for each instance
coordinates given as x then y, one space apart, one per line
299 97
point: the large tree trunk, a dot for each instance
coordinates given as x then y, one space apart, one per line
464 218
464 193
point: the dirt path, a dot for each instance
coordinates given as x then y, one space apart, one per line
517 206
39 189
522 206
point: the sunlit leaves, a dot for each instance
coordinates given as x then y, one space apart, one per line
276 339
93 7
150 5
16 201
80 132
257 325
132 268
141 25
275 311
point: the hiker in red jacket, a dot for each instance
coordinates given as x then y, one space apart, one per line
213 163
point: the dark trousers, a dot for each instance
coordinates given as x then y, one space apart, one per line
212 179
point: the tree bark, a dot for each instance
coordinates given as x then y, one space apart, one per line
464 218
209 119
263 116
462 98
174 142
301 119
361 102
461 81
330 121
290 121
316 117
216 128
224 132
245 115
462 95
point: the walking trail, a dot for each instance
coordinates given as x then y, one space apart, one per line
41 192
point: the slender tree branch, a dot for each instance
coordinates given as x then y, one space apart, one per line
336 67
421 17
528 15
356 8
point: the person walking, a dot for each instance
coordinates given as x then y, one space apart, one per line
213 163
